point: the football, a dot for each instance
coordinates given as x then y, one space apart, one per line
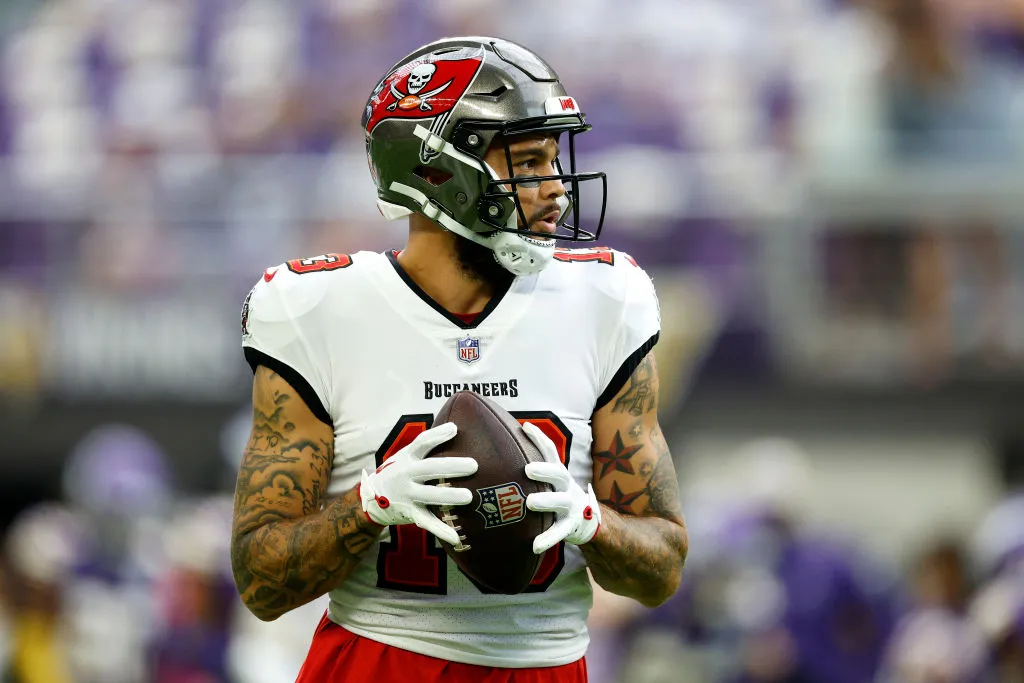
496 529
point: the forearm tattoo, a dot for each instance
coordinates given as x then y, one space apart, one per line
286 548
641 551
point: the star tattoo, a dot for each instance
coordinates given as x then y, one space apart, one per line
623 502
617 457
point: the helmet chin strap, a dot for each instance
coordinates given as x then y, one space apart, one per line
516 253
521 254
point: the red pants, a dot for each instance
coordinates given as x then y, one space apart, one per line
340 656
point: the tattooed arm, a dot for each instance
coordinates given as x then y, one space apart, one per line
641 546
286 547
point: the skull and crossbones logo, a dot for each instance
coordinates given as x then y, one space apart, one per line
418 79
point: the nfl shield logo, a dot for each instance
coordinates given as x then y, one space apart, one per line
502 504
469 350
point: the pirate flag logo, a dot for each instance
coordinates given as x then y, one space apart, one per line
427 88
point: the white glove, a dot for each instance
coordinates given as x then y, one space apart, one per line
577 513
394 494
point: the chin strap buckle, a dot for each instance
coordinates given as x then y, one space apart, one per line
431 210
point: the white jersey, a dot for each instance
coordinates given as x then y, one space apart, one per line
375 357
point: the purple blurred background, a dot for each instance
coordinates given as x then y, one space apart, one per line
828 194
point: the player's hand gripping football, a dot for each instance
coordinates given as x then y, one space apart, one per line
395 492
577 513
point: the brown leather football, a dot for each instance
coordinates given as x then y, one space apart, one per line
496 528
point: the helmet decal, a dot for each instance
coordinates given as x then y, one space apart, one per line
423 89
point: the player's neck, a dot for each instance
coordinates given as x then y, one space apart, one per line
431 260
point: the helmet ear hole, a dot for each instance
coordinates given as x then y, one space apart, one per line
434 176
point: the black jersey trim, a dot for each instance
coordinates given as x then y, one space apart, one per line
624 371
499 294
297 381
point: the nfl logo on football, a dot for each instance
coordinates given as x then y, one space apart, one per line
501 504
469 350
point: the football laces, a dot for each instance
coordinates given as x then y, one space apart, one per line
452 519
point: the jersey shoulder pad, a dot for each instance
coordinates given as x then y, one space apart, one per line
282 318
290 291
610 271
281 295
632 323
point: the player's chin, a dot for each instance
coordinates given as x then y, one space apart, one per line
544 227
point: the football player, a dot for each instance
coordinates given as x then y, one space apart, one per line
354 353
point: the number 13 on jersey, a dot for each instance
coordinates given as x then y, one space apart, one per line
413 560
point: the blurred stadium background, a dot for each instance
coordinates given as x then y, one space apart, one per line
829 194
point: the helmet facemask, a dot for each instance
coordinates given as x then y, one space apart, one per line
500 197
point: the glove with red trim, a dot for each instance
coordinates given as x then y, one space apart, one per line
577 512
395 493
